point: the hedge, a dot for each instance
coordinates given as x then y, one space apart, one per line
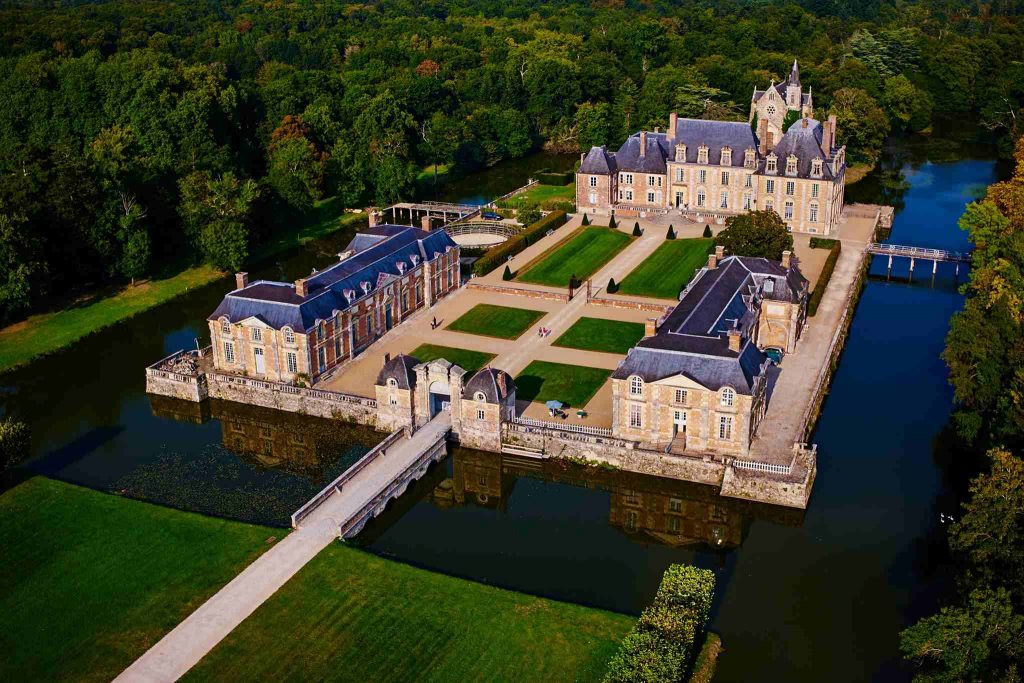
530 235
707 660
661 645
556 178
826 275
822 243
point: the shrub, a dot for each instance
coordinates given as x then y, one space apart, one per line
14 442
822 243
555 177
559 205
586 221
636 229
528 215
671 234
756 233
688 587
611 222
707 231
530 235
823 279
646 658
507 275
704 666
612 287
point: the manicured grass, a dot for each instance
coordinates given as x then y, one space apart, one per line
90 581
349 615
466 359
598 334
573 385
47 332
582 255
665 272
544 196
503 322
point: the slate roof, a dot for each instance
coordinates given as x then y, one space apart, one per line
653 161
374 264
693 339
401 369
495 385
598 162
805 143
717 135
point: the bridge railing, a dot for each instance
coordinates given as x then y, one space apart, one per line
563 426
482 228
925 253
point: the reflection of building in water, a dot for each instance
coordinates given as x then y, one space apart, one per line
271 438
665 511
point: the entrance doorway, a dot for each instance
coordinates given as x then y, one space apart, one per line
679 424
440 398
387 317
258 357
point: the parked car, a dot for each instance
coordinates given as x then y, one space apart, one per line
774 354
490 216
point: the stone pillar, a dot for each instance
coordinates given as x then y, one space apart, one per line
241 280
425 222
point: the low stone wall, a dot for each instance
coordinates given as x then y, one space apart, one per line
631 305
328 404
520 291
188 388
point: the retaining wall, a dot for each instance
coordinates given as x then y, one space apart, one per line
520 291
328 404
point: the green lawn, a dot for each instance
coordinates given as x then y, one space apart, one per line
544 196
665 272
47 332
503 322
90 581
573 385
466 359
598 334
582 255
352 616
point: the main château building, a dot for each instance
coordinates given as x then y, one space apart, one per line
710 170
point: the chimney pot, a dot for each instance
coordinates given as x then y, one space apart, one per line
720 252
300 288
734 340
787 257
241 280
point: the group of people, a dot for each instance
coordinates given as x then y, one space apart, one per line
543 332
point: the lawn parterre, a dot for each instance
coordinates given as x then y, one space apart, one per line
468 360
598 334
90 580
349 615
573 385
581 255
665 272
504 322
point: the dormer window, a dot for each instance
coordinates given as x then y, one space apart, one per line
289 336
727 397
479 396
681 152
365 286
702 154
636 386
726 156
392 382
350 294
791 165
816 168
771 164
401 267
225 327
749 158
414 259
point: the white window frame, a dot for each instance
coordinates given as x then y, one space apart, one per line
769 185
225 327
727 397
229 352
636 416
725 427
723 202
291 362
636 385
593 181
702 175
790 188
680 397
814 190
257 334
480 414
650 197
701 198
812 212
788 210
725 177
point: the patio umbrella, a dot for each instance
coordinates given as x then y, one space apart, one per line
554 405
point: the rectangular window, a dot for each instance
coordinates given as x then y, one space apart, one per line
725 177
814 190
702 176
293 362
788 215
769 186
700 198
321 355
627 178
724 201
419 293
680 175
768 205
593 181
748 203
636 419
749 180
673 525
650 181
675 505
790 188
631 520
725 428
812 214
289 336
629 195
650 197
337 347
229 352
257 334
680 396
225 327
479 414
392 400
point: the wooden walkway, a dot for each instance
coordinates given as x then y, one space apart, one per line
341 513
914 253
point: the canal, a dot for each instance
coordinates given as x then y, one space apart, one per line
809 596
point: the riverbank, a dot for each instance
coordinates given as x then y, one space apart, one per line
46 333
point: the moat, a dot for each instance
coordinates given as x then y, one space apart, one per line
819 595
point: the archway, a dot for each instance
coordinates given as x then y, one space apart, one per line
440 397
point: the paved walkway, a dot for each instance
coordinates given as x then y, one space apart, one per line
182 648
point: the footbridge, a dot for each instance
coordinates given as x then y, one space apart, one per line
428 214
481 227
919 253
364 489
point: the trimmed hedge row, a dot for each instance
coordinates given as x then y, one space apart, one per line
822 242
707 660
826 275
555 178
530 235
661 645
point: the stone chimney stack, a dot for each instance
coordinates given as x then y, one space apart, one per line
828 136
650 327
300 288
372 217
714 258
762 136
734 340
643 144
672 121
804 122
241 280
425 222
787 259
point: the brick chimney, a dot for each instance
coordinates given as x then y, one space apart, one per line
241 280
803 122
300 288
372 217
643 144
787 258
762 136
828 136
425 222
734 340
714 258
672 120
650 327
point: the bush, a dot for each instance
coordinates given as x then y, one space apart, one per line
586 221
528 215
636 230
530 235
611 222
823 279
555 177
559 205
707 231
507 275
612 287
14 442
756 233
660 647
822 243
671 234
704 666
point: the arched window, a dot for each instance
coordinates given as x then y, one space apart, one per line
392 382
225 327
321 331
289 336
790 165
636 386
727 397
479 396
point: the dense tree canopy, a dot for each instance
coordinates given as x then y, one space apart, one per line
756 233
109 110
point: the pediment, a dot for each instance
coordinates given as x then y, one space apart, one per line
681 381
255 321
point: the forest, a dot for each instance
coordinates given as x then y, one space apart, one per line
141 137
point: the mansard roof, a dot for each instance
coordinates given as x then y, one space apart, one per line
803 139
598 162
401 369
374 263
693 339
736 135
495 385
653 161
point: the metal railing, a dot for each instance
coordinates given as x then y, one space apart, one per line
565 427
918 252
483 228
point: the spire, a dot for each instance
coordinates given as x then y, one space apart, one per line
794 74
